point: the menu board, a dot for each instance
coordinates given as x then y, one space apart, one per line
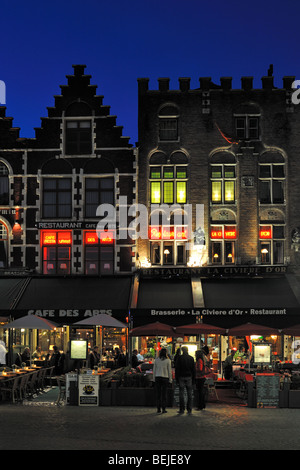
78 349
88 390
262 353
267 390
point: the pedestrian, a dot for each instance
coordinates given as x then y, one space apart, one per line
55 361
202 369
185 377
162 376
3 352
94 357
134 359
228 365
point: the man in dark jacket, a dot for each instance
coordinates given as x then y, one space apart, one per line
185 377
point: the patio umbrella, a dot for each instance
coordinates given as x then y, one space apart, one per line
104 321
101 319
252 329
154 329
200 328
31 322
292 330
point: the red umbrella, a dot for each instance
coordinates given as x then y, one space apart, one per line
252 329
153 329
292 330
200 328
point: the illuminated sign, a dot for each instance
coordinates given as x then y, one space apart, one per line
216 233
57 238
230 232
106 238
155 233
265 232
168 233
91 238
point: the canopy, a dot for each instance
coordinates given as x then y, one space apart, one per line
252 329
101 319
200 328
32 322
292 330
153 329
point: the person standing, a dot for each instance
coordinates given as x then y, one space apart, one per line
185 377
202 362
162 375
3 352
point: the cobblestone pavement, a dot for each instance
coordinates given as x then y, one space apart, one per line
218 427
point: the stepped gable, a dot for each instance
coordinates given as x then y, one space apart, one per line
78 98
9 135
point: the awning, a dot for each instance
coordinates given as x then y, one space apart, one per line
164 293
11 289
249 293
67 300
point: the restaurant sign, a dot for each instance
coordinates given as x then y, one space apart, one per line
212 271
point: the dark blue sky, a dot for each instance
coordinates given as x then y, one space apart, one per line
120 41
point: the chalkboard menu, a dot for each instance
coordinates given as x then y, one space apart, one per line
267 390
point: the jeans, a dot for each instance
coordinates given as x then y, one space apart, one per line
201 392
161 384
185 382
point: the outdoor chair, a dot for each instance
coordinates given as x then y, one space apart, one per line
41 379
11 388
61 382
49 376
210 383
32 384
23 387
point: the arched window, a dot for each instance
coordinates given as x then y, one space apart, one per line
4 184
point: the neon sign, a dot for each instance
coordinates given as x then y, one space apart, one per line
265 233
168 233
57 238
216 233
230 232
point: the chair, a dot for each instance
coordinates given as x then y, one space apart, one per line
23 386
41 379
211 387
32 384
11 387
48 376
61 382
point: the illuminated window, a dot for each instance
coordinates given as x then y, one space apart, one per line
56 251
271 183
272 239
57 197
171 187
223 184
98 191
223 244
168 244
78 137
4 184
99 253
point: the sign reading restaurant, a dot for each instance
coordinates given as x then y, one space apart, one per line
213 271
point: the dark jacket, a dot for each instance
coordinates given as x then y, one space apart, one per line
185 367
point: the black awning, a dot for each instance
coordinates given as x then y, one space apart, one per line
249 293
164 293
10 291
62 299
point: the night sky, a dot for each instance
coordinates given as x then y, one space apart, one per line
120 40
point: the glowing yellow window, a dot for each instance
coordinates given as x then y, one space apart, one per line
216 191
181 192
229 191
155 192
168 192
